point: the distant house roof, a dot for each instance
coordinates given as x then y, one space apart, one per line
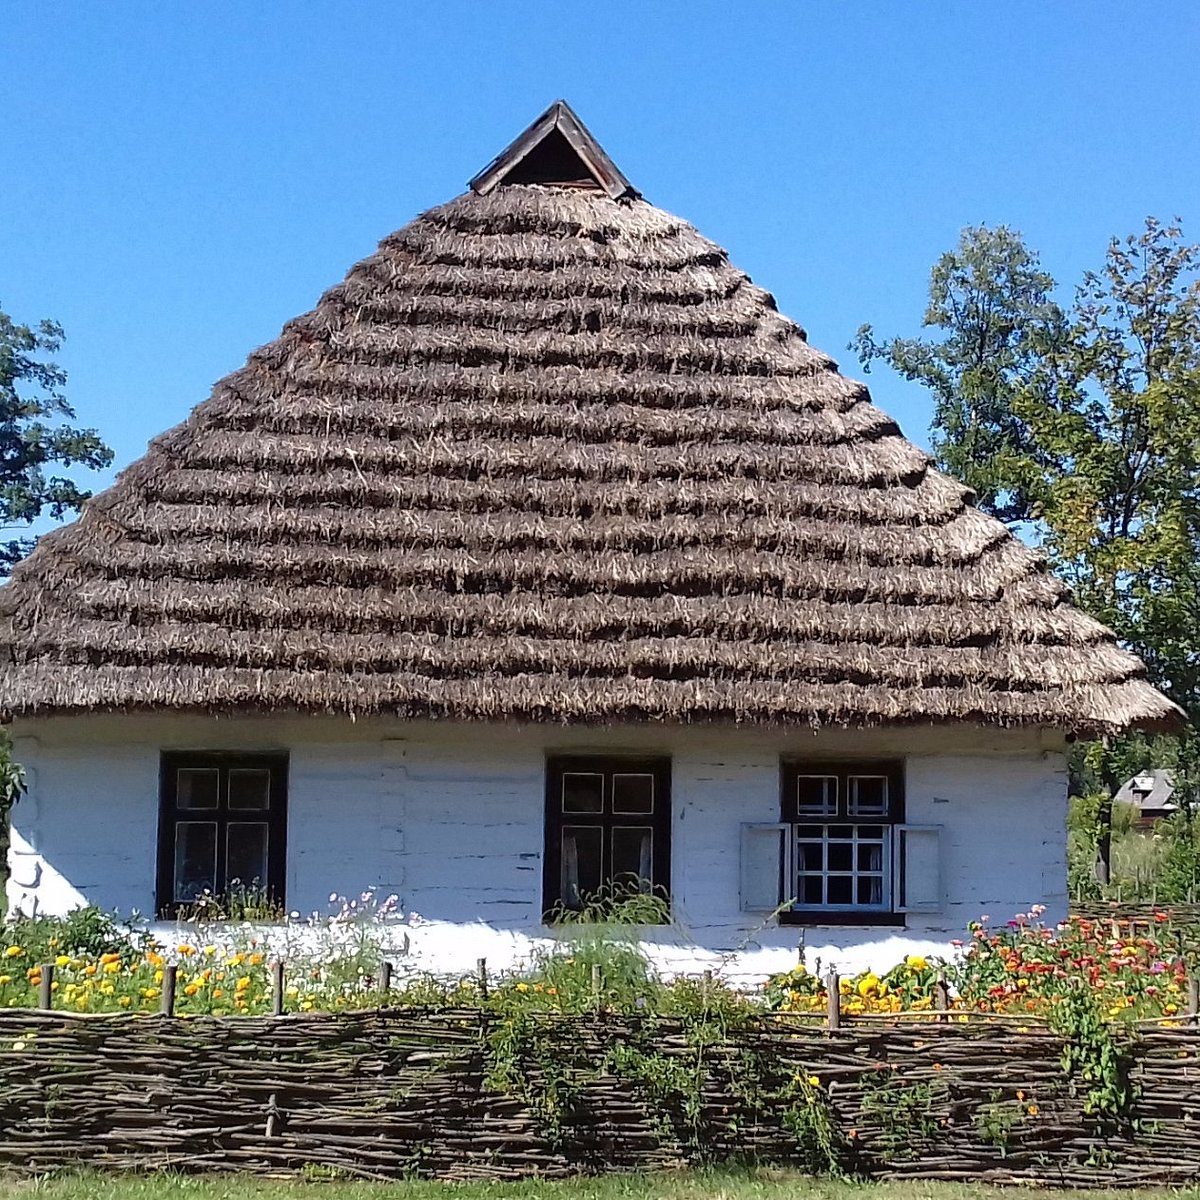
1151 791
548 455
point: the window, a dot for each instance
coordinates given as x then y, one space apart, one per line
222 827
841 852
608 826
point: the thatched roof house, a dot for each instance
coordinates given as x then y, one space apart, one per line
605 562
547 454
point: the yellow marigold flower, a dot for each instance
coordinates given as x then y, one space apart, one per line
62 961
916 962
306 1006
90 969
522 987
814 1080
5 979
155 960
243 983
111 968
33 974
293 992
158 976
184 950
124 1001
149 993
105 959
210 950
191 989
1032 1110
1020 1095
218 993
13 952
107 989
236 960
256 960
868 984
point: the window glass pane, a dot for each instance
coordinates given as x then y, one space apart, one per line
633 794
868 795
633 857
582 867
812 889
870 890
245 856
817 795
197 787
812 856
841 856
841 889
582 792
195 859
249 789
841 833
870 856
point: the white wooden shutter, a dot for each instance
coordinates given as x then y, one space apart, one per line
917 868
766 867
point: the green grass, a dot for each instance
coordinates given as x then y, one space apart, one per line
760 1185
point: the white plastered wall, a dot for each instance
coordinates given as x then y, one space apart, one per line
450 818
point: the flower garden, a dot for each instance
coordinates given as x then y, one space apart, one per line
1022 967
1130 970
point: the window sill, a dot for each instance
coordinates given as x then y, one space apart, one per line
893 920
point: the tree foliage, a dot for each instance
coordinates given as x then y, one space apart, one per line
1083 420
36 434
990 299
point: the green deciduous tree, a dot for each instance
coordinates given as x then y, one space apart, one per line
990 300
36 434
1083 420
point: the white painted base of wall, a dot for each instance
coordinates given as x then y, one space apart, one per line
450 818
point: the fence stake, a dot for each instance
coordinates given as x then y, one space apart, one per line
1193 1003
277 988
941 999
706 985
272 1116
481 975
835 1000
167 1003
46 986
597 984
385 978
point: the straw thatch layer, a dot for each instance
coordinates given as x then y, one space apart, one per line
547 455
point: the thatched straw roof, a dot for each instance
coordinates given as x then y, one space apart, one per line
548 455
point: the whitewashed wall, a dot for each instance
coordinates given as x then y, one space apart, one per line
449 817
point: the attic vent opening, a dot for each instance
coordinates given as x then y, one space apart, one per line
553 161
559 151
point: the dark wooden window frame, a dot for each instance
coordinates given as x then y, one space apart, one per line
170 815
791 769
607 764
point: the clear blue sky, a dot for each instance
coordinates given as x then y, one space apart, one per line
179 180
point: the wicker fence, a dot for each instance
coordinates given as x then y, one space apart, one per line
385 1093
1139 912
